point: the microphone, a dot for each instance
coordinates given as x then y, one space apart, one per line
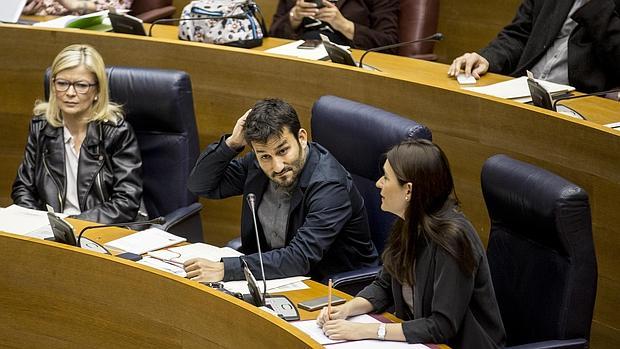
158 220
434 37
280 304
251 199
601 93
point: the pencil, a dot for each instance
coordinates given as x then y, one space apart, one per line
329 299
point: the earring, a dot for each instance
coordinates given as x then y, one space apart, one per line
96 98
406 197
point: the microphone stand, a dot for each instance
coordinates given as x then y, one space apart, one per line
602 93
434 37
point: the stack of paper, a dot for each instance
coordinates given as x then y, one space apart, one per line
199 250
97 21
145 241
517 89
316 54
24 221
310 328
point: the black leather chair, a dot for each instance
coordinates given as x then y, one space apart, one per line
159 106
358 135
541 254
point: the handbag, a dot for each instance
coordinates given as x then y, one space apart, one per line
236 23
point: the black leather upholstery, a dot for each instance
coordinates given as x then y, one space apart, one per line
541 254
159 106
359 135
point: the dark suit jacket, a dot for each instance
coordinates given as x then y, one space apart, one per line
327 226
593 47
449 306
376 22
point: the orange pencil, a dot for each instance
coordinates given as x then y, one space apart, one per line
329 299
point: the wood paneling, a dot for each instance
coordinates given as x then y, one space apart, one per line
56 296
469 127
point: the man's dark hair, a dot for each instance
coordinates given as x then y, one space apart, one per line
268 118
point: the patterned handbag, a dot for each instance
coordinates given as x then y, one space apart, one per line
228 22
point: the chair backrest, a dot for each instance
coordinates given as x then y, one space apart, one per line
418 19
358 135
150 10
540 251
159 106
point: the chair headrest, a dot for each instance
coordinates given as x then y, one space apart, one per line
537 203
152 99
358 134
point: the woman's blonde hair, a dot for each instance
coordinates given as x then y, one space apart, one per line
72 57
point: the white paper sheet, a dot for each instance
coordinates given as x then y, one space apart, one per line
198 250
290 49
517 89
313 330
291 283
145 240
24 221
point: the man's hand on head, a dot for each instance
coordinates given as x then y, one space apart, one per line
237 138
204 270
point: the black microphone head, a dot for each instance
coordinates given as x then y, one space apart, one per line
159 220
437 36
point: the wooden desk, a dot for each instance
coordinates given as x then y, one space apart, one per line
59 296
468 126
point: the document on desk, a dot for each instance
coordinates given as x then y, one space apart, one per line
145 241
198 250
310 328
375 344
517 89
316 54
24 221
275 285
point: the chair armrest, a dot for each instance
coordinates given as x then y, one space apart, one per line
158 13
235 243
353 281
185 221
578 343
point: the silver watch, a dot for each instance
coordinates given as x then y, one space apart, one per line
381 332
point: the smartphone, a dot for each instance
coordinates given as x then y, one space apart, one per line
319 3
310 44
318 303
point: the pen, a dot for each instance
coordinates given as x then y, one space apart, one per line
329 299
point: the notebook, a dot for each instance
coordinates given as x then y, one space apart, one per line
10 10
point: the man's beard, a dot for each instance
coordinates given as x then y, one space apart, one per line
295 168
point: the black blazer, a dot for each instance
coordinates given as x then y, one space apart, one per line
327 230
450 307
109 172
376 22
593 46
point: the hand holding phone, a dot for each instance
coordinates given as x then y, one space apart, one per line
319 3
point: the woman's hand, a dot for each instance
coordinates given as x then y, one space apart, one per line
332 15
347 330
302 9
32 7
338 312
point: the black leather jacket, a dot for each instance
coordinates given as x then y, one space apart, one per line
109 171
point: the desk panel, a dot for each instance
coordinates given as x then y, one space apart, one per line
468 126
57 296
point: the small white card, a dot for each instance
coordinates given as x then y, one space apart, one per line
465 80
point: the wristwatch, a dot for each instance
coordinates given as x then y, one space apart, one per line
381 332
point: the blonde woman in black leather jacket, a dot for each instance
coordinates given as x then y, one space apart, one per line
81 158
